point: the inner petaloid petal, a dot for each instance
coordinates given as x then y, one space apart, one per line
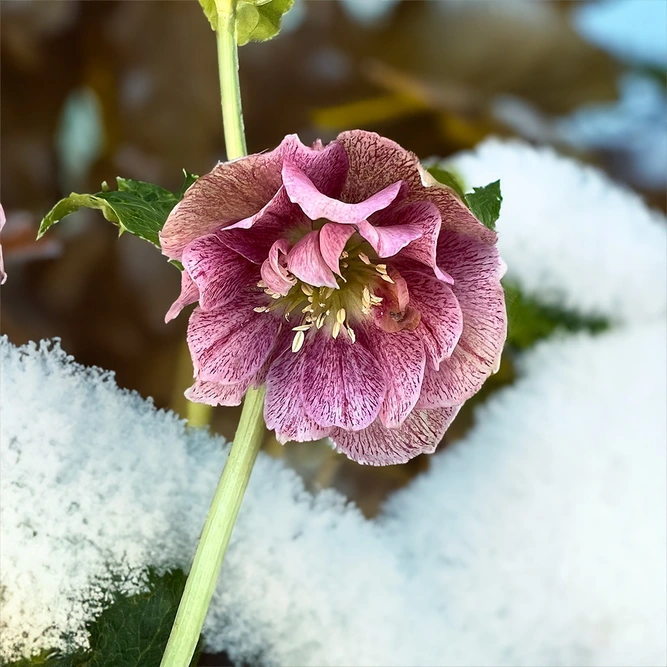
315 205
305 261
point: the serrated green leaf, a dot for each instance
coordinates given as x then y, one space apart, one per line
529 321
485 203
131 632
447 178
259 20
136 207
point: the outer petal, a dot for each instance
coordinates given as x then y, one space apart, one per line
441 321
232 191
477 269
305 261
238 189
3 275
342 384
316 205
403 359
377 445
230 345
219 272
333 238
424 219
189 294
375 162
283 408
213 393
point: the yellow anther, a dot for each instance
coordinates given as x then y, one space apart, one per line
306 289
297 343
340 316
336 329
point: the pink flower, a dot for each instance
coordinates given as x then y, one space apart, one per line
3 275
364 294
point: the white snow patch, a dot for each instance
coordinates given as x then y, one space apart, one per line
570 236
538 540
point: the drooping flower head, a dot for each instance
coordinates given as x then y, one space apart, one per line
364 294
3 275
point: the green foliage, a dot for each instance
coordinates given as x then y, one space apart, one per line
136 207
259 20
256 20
528 321
447 178
485 203
131 632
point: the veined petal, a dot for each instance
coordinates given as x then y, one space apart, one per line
342 384
377 445
189 294
219 272
403 359
229 345
424 222
441 320
213 393
376 161
238 189
477 268
283 408
333 238
387 241
305 261
316 205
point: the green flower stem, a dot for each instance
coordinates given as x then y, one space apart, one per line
215 536
226 502
230 90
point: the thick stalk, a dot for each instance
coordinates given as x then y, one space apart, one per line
230 90
215 536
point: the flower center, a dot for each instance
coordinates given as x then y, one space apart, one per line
333 309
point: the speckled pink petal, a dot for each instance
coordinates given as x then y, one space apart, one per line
239 189
213 393
229 345
283 408
342 384
333 238
375 162
477 269
3 275
424 219
274 269
219 272
189 294
403 359
305 261
232 191
441 320
316 205
377 445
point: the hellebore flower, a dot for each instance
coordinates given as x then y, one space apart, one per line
3 275
364 294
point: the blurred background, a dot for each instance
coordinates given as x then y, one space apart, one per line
93 89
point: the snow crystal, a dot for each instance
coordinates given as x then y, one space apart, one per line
571 237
